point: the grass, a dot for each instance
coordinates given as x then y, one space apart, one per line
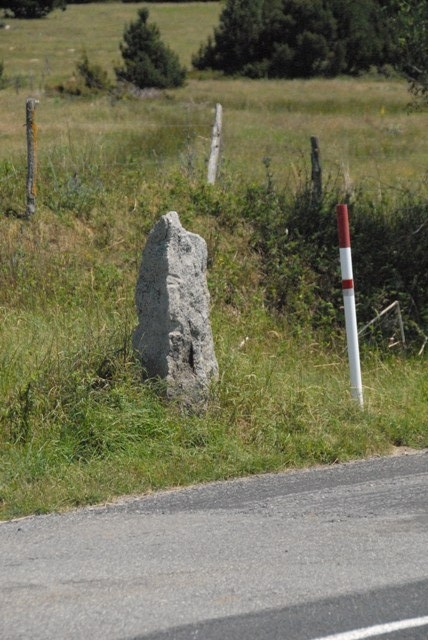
278 405
364 126
77 426
360 139
48 49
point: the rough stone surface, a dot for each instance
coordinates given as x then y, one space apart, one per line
173 337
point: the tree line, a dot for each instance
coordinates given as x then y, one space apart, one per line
299 38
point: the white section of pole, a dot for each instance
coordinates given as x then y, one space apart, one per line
346 264
353 346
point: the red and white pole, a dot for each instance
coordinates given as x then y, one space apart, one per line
349 302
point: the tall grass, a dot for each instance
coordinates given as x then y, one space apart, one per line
78 425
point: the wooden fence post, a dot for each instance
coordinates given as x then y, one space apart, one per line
31 156
316 174
215 145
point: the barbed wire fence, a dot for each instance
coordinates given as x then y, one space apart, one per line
213 166
214 158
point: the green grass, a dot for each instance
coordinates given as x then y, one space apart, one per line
46 50
280 403
77 426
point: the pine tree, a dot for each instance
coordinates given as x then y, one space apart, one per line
148 62
298 38
236 39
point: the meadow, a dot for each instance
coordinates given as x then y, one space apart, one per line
77 425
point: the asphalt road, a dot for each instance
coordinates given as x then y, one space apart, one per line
296 556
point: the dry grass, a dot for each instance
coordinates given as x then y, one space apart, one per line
363 125
374 139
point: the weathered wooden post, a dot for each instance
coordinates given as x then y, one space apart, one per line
316 174
215 145
31 156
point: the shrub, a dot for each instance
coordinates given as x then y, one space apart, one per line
148 62
89 79
31 8
296 235
297 38
409 20
93 76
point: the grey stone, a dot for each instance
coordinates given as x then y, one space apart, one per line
173 338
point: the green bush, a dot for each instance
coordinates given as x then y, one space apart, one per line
297 239
148 62
409 22
31 8
89 79
93 76
296 38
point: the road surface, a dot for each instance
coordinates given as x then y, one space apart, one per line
327 552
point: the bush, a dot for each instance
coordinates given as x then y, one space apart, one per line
31 8
409 20
297 38
93 76
148 61
297 239
90 79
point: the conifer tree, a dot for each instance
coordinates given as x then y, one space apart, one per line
148 62
236 39
298 38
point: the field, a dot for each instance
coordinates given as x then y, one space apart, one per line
77 426
364 127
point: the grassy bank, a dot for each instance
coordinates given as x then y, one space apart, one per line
77 426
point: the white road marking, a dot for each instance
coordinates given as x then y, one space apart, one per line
378 629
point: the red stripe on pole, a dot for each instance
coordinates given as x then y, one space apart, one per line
343 226
347 284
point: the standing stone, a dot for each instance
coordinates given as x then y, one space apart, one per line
173 337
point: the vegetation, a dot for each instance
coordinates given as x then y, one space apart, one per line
31 8
298 39
409 19
77 426
148 61
89 79
297 243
